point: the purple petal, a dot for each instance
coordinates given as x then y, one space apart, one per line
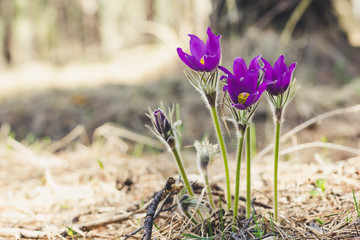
213 44
211 62
239 106
250 81
268 70
252 98
190 61
279 67
263 86
225 70
223 77
239 67
254 64
197 47
292 67
185 58
234 88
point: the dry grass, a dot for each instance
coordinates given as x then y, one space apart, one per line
101 192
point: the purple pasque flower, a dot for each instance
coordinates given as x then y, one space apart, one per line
243 86
280 74
204 57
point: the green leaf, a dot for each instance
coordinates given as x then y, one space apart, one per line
356 204
320 221
314 193
321 183
100 163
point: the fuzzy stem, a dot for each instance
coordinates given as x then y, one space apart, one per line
238 167
223 152
208 190
182 172
276 161
188 215
248 173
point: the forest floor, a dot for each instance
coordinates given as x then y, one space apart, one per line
95 191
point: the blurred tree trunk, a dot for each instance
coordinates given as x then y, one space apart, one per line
6 14
90 24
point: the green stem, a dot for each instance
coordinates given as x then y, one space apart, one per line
188 215
184 177
248 173
182 172
237 180
223 152
276 161
208 190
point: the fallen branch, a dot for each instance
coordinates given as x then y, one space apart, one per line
149 219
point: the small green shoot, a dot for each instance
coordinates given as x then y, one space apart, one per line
356 204
320 188
101 165
321 222
258 231
272 224
156 226
321 183
71 232
348 219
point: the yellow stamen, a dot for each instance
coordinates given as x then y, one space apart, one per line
202 61
242 97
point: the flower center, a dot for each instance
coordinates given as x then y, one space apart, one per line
242 97
202 61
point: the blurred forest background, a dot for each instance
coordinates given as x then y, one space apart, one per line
66 63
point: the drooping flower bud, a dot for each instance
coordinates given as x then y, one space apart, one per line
162 127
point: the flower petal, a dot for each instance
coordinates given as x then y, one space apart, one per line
189 60
211 62
252 98
254 64
250 81
279 67
239 67
213 44
225 70
239 106
234 88
292 67
197 47
268 70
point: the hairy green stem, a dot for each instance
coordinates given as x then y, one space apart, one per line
184 177
237 179
248 173
276 161
208 190
182 172
223 152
